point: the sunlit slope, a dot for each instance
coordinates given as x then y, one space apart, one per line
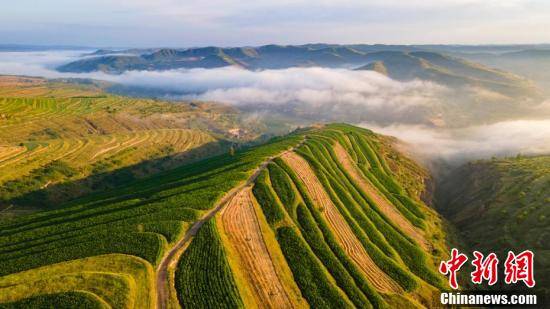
335 222
55 132
102 248
501 205
305 227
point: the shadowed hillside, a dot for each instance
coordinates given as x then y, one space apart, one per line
54 131
502 205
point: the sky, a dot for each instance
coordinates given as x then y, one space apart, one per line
188 23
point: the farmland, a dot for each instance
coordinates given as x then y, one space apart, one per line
342 250
328 216
61 140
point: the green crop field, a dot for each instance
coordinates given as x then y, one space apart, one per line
390 248
127 201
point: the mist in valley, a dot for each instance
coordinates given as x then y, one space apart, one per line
436 123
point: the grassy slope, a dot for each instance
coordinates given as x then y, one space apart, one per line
117 280
502 205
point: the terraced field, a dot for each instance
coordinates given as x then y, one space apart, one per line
342 250
296 228
344 235
143 219
243 230
385 206
116 280
128 148
59 140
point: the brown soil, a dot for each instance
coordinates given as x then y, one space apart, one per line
165 275
243 230
344 234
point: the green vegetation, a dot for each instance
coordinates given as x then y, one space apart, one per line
58 301
101 223
115 280
282 186
315 239
141 218
107 242
415 259
308 273
265 197
62 140
203 276
390 267
510 209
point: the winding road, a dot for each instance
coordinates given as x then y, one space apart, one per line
163 282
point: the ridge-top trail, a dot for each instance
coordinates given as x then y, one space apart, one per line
170 258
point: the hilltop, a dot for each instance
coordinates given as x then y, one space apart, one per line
326 216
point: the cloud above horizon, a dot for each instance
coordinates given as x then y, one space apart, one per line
315 93
505 138
320 94
236 23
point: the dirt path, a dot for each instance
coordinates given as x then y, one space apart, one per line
243 230
344 235
164 277
383 204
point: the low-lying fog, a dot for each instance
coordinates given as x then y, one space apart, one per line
408 110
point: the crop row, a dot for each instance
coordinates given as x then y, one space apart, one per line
203 275
265 197
409 251
382 261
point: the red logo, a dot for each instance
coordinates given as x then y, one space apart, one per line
452 266
485 269
517 268
520 268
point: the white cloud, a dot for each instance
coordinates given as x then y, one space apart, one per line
387 106
506 138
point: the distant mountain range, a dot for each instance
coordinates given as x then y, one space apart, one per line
399 62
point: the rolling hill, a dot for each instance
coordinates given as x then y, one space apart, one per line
446 70
463 92
502 205
532 62
54 132
401 63
327 216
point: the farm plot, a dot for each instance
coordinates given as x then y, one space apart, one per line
344 234
118 149
243 230
383 204
120 281
203 269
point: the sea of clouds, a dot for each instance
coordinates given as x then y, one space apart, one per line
361 97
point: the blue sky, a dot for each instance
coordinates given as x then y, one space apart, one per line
183 23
